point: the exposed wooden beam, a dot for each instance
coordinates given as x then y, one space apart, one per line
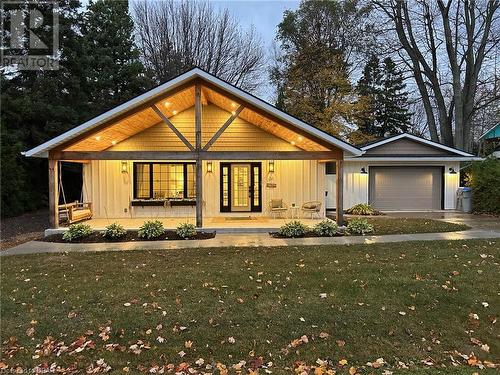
172 127
340 191
189 155
53 193
273 118
122 116
199 165
223 128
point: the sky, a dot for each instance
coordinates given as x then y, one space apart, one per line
265 17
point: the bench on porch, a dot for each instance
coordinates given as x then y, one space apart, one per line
75 212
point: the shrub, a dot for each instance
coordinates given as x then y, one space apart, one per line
485 184
359 226
361 209
151 229
114 231
293 228
186 230
77 231
326 228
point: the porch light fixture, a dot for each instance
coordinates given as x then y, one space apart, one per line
174 112
300 138
452 170
292 143
271 166
113 142
98 138
233 104
167 104
124 167
363 171
209 167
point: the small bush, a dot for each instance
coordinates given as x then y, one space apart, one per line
186 230
114 231
293 229
151 229
359 226
77 231
485 184
361 209
326 228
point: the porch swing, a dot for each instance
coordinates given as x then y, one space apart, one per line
75 211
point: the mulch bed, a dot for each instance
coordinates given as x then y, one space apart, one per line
131 236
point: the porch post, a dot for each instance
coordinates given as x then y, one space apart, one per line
199 166
53 193
340 191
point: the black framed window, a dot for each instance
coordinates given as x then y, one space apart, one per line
164 181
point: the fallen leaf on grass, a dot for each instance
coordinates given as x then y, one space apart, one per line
30 331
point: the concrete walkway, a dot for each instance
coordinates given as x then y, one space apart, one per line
244 240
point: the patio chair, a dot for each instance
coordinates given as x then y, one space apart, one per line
312 207
277 207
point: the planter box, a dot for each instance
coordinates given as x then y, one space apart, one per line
156 202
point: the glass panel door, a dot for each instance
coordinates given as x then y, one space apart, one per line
240 187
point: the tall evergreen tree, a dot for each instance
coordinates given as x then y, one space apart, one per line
36 106
383 84
113 71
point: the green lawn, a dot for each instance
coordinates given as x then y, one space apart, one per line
389 225
403 302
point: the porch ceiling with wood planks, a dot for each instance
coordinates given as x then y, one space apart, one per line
145 117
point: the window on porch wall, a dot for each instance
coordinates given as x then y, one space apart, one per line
165 180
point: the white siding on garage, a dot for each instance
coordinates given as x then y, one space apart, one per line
356 184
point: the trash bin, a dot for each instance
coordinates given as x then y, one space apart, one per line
464 199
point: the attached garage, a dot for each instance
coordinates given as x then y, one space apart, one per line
406 188
402 173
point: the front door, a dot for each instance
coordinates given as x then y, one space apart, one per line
240 187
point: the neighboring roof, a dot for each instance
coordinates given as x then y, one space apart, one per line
454 151
41 150
494 132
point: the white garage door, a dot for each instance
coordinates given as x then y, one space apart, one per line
406 188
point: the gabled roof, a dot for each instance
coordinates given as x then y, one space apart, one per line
177 82
416 139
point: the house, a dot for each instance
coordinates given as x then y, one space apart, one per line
198 147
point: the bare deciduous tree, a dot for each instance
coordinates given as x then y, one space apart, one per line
450 46
177 35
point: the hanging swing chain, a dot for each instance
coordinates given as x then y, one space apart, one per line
61 187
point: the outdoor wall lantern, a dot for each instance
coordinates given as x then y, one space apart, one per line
209 167
124 167
452 170
363 171
271 166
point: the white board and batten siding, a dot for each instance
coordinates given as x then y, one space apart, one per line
111 191
356 185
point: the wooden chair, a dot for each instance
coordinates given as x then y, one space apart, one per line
75 212
312 207
277 207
